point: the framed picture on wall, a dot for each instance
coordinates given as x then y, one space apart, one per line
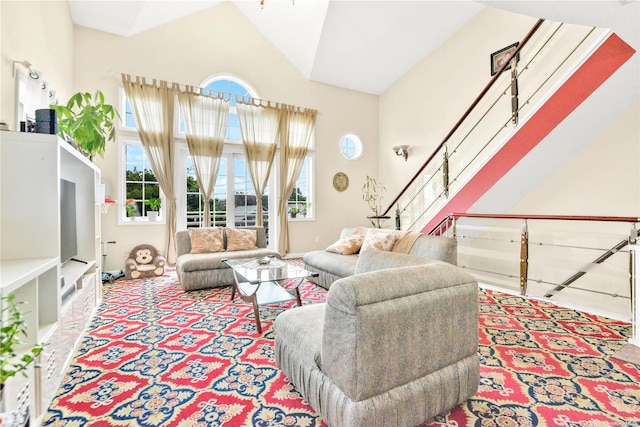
500 57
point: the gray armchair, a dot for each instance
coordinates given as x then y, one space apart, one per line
392 347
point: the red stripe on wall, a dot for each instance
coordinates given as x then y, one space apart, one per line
596 70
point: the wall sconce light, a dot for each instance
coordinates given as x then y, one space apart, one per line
401 151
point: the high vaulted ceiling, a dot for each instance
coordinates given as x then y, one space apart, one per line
330 41
339 42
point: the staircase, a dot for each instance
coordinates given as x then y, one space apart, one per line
512 135
559 66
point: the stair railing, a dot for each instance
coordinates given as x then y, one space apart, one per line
582 261
549 53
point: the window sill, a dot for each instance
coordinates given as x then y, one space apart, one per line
301 219
140 220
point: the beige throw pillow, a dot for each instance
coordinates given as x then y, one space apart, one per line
383 240
347 246
206 240
240 239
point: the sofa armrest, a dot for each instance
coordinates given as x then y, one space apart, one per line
373 259
183 242
436 247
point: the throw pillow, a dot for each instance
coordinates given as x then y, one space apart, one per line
347 246
382 240
206 240
240 239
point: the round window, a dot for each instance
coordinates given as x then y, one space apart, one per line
351 146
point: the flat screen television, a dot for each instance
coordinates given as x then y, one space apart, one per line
68 232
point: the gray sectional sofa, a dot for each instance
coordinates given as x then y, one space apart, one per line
395 344
206 270
332 266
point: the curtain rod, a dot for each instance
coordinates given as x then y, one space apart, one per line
239 98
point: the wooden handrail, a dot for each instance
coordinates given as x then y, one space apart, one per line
466 113
545 217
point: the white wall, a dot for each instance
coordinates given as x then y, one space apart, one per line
221 39
40 32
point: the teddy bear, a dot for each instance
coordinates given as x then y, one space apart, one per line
144 261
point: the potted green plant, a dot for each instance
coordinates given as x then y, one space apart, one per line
154 204
14 359
294 211
130 208
372 193
88 120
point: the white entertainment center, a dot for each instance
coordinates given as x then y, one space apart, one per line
59 299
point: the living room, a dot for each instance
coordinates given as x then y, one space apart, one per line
83 59
599 178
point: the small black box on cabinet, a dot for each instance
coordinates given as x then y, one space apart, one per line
46 121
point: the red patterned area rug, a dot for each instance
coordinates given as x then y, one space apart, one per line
157 356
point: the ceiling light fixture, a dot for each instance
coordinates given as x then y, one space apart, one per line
262 3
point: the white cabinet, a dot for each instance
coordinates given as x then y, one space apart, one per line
60 298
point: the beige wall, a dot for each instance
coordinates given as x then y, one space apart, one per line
217 40
42 33
423 106
417 110
602 178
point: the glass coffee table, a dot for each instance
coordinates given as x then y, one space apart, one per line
262 281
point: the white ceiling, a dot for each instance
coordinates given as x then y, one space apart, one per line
339 42
336 42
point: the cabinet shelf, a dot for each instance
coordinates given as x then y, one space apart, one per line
17 272
30 252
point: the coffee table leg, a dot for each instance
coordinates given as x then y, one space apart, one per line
256 313
297 290
233 290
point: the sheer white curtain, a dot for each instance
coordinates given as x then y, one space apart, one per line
295 137
205 119
153 108
259 125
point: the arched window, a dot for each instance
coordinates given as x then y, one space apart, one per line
231 87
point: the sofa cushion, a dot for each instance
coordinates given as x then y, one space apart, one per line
206 240
347 246
382 240
240 239
213 261
339 265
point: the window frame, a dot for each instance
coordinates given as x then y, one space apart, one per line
310 202
123 219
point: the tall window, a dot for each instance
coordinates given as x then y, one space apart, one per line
141 184
299 203
233 181
234 200
195 201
